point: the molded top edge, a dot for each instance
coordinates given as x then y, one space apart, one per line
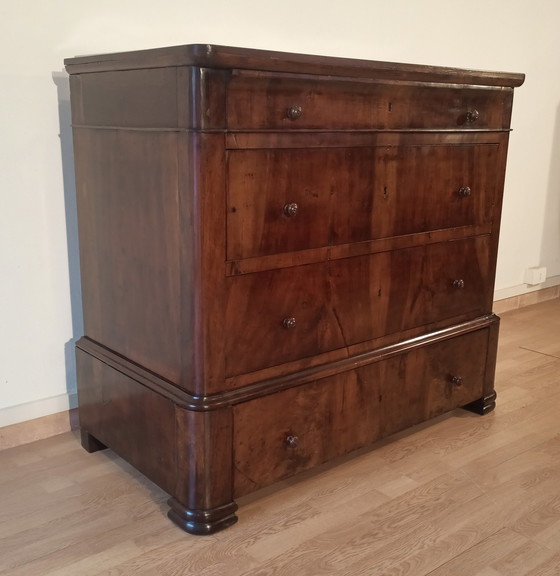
214 56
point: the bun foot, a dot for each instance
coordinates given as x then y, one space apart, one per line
483 405
202 522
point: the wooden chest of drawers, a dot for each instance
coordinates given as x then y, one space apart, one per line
284 258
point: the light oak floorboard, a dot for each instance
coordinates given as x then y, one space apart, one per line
460 495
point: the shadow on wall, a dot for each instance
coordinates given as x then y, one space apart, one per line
550 245
62 83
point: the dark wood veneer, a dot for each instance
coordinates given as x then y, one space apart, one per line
349 195
360 406
228 57
284 258
391 292
259 102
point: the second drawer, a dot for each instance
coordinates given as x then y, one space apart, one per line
290 199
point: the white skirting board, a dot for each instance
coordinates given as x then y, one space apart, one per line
521 289
37 409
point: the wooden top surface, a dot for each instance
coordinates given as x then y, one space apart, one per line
213 56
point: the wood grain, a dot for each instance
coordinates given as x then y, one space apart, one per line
341 303
353 194
122 187
215 56
259 101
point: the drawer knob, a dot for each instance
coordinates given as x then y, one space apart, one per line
458 283
464 192
472 116
292 440
457 381
291 209
294 112
289 323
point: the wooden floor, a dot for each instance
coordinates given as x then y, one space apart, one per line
464 495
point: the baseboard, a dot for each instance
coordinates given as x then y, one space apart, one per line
525 289
32 421
37 409
527 299
38 428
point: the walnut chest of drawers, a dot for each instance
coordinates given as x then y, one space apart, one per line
284 258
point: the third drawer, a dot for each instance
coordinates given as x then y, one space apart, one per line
297 312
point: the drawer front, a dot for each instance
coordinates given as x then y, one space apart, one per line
289 200
282 315
276 102
425 188
279 435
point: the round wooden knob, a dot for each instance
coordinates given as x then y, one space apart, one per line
294 112
291 209
464 192
289 323
472 116
291 440
458 283
457 381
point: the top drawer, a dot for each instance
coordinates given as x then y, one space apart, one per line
258 101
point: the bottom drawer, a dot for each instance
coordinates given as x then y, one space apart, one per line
278 435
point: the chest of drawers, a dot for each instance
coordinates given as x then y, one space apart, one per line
284 258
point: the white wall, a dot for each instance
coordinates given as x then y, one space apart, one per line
39 286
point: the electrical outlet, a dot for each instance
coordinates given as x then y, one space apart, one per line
535 275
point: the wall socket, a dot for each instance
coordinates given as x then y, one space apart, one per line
535 275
